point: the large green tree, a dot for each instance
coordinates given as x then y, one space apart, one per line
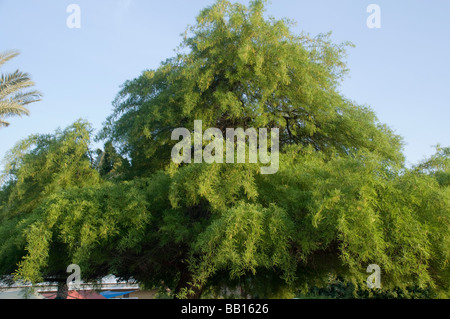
341 200
245 71
36 169
14 96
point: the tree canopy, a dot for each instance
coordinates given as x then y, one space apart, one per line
341 200
242 70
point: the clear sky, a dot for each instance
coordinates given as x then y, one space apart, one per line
401 70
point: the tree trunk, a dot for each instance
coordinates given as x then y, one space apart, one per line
185 283
63 290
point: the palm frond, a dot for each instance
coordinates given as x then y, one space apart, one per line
8 55
10 108
25 98
14 82
3 123
13 96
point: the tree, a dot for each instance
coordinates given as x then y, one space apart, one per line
109 163
245 71
13 97
438 165
37 168
341 200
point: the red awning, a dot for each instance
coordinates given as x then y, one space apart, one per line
73 294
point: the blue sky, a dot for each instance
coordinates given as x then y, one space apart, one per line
401 71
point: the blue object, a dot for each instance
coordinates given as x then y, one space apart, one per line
112 294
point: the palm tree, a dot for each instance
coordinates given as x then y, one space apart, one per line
13 97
